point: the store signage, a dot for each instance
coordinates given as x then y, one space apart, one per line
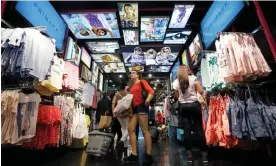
42 13
218 18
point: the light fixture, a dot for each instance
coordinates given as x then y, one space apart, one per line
150 75
120 76
157 80
113 85
110 80
154 88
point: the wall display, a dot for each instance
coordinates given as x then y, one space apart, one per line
86 74
131 37
181 15
177 37
93 25
184 58
103 47
42 13
112 67
174 70
153 29
95 73
73 52
162 69
195 50
128 14
140 56
137 68
107 58
100 82
219 16
86 58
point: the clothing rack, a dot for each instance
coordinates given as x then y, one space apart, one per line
207 51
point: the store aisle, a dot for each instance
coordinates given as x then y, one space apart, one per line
165 154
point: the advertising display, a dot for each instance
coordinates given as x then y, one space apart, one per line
174 71
73 52
95 73
131 37
184 58
128 14
155 69
181 15
153 29
112 67
219 16
195 50
103 47
107 58
100 86
177 37
137 68
141 56
42 13
86 58
93 25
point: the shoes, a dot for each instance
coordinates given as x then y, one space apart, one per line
147 159
190 156
131 158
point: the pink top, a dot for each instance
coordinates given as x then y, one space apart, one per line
71 76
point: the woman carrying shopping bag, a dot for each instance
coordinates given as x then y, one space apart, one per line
121 108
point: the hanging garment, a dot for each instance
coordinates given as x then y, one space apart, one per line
71 76
88 94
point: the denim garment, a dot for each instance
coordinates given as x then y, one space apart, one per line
236 118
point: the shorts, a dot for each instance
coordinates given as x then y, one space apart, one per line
141 110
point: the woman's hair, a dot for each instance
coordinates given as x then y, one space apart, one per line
183 78
131 83
105 31
122 86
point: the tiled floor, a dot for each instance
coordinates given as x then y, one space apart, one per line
169 153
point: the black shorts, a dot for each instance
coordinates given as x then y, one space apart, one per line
141 109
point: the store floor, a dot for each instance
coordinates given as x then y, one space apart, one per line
165 154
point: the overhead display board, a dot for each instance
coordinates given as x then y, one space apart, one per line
141 56
86 58
195 50
131 37
181 15
219 16
103 47
158 69
106 58
176 37
72 52
42 13
153 29
128 15
112 67
93 25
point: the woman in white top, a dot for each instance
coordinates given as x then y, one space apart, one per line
186 88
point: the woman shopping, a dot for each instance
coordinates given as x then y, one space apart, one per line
186 88
140 115
123 118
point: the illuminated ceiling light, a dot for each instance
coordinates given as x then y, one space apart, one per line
150 75
157 80
110 80
120 76
154 88
113 85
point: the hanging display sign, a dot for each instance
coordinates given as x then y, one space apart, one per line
220 15
184 58
73 52
86 58
128 14
42 13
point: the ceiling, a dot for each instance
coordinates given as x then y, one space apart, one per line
145 9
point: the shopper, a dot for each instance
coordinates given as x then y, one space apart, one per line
140 115
123 118
186 88
102 108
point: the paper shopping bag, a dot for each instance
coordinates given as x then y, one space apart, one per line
105 122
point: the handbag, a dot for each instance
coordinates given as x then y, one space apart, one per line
123 104
145 93
105 122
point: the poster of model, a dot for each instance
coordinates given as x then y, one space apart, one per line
177 37
131 37
107 58
153 29
128 14
103 47
86 58
93 25
141 56
156 69
95 73
184 57
195 50
181 15
112 67
73 52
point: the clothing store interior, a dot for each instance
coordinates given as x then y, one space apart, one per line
162 83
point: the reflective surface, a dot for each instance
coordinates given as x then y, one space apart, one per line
168 153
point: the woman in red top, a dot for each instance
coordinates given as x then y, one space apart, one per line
140 115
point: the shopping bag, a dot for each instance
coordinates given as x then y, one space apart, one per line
123 104
105 122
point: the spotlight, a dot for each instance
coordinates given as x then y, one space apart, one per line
120 76
113 85
150 75
154 88
157 80
110 80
